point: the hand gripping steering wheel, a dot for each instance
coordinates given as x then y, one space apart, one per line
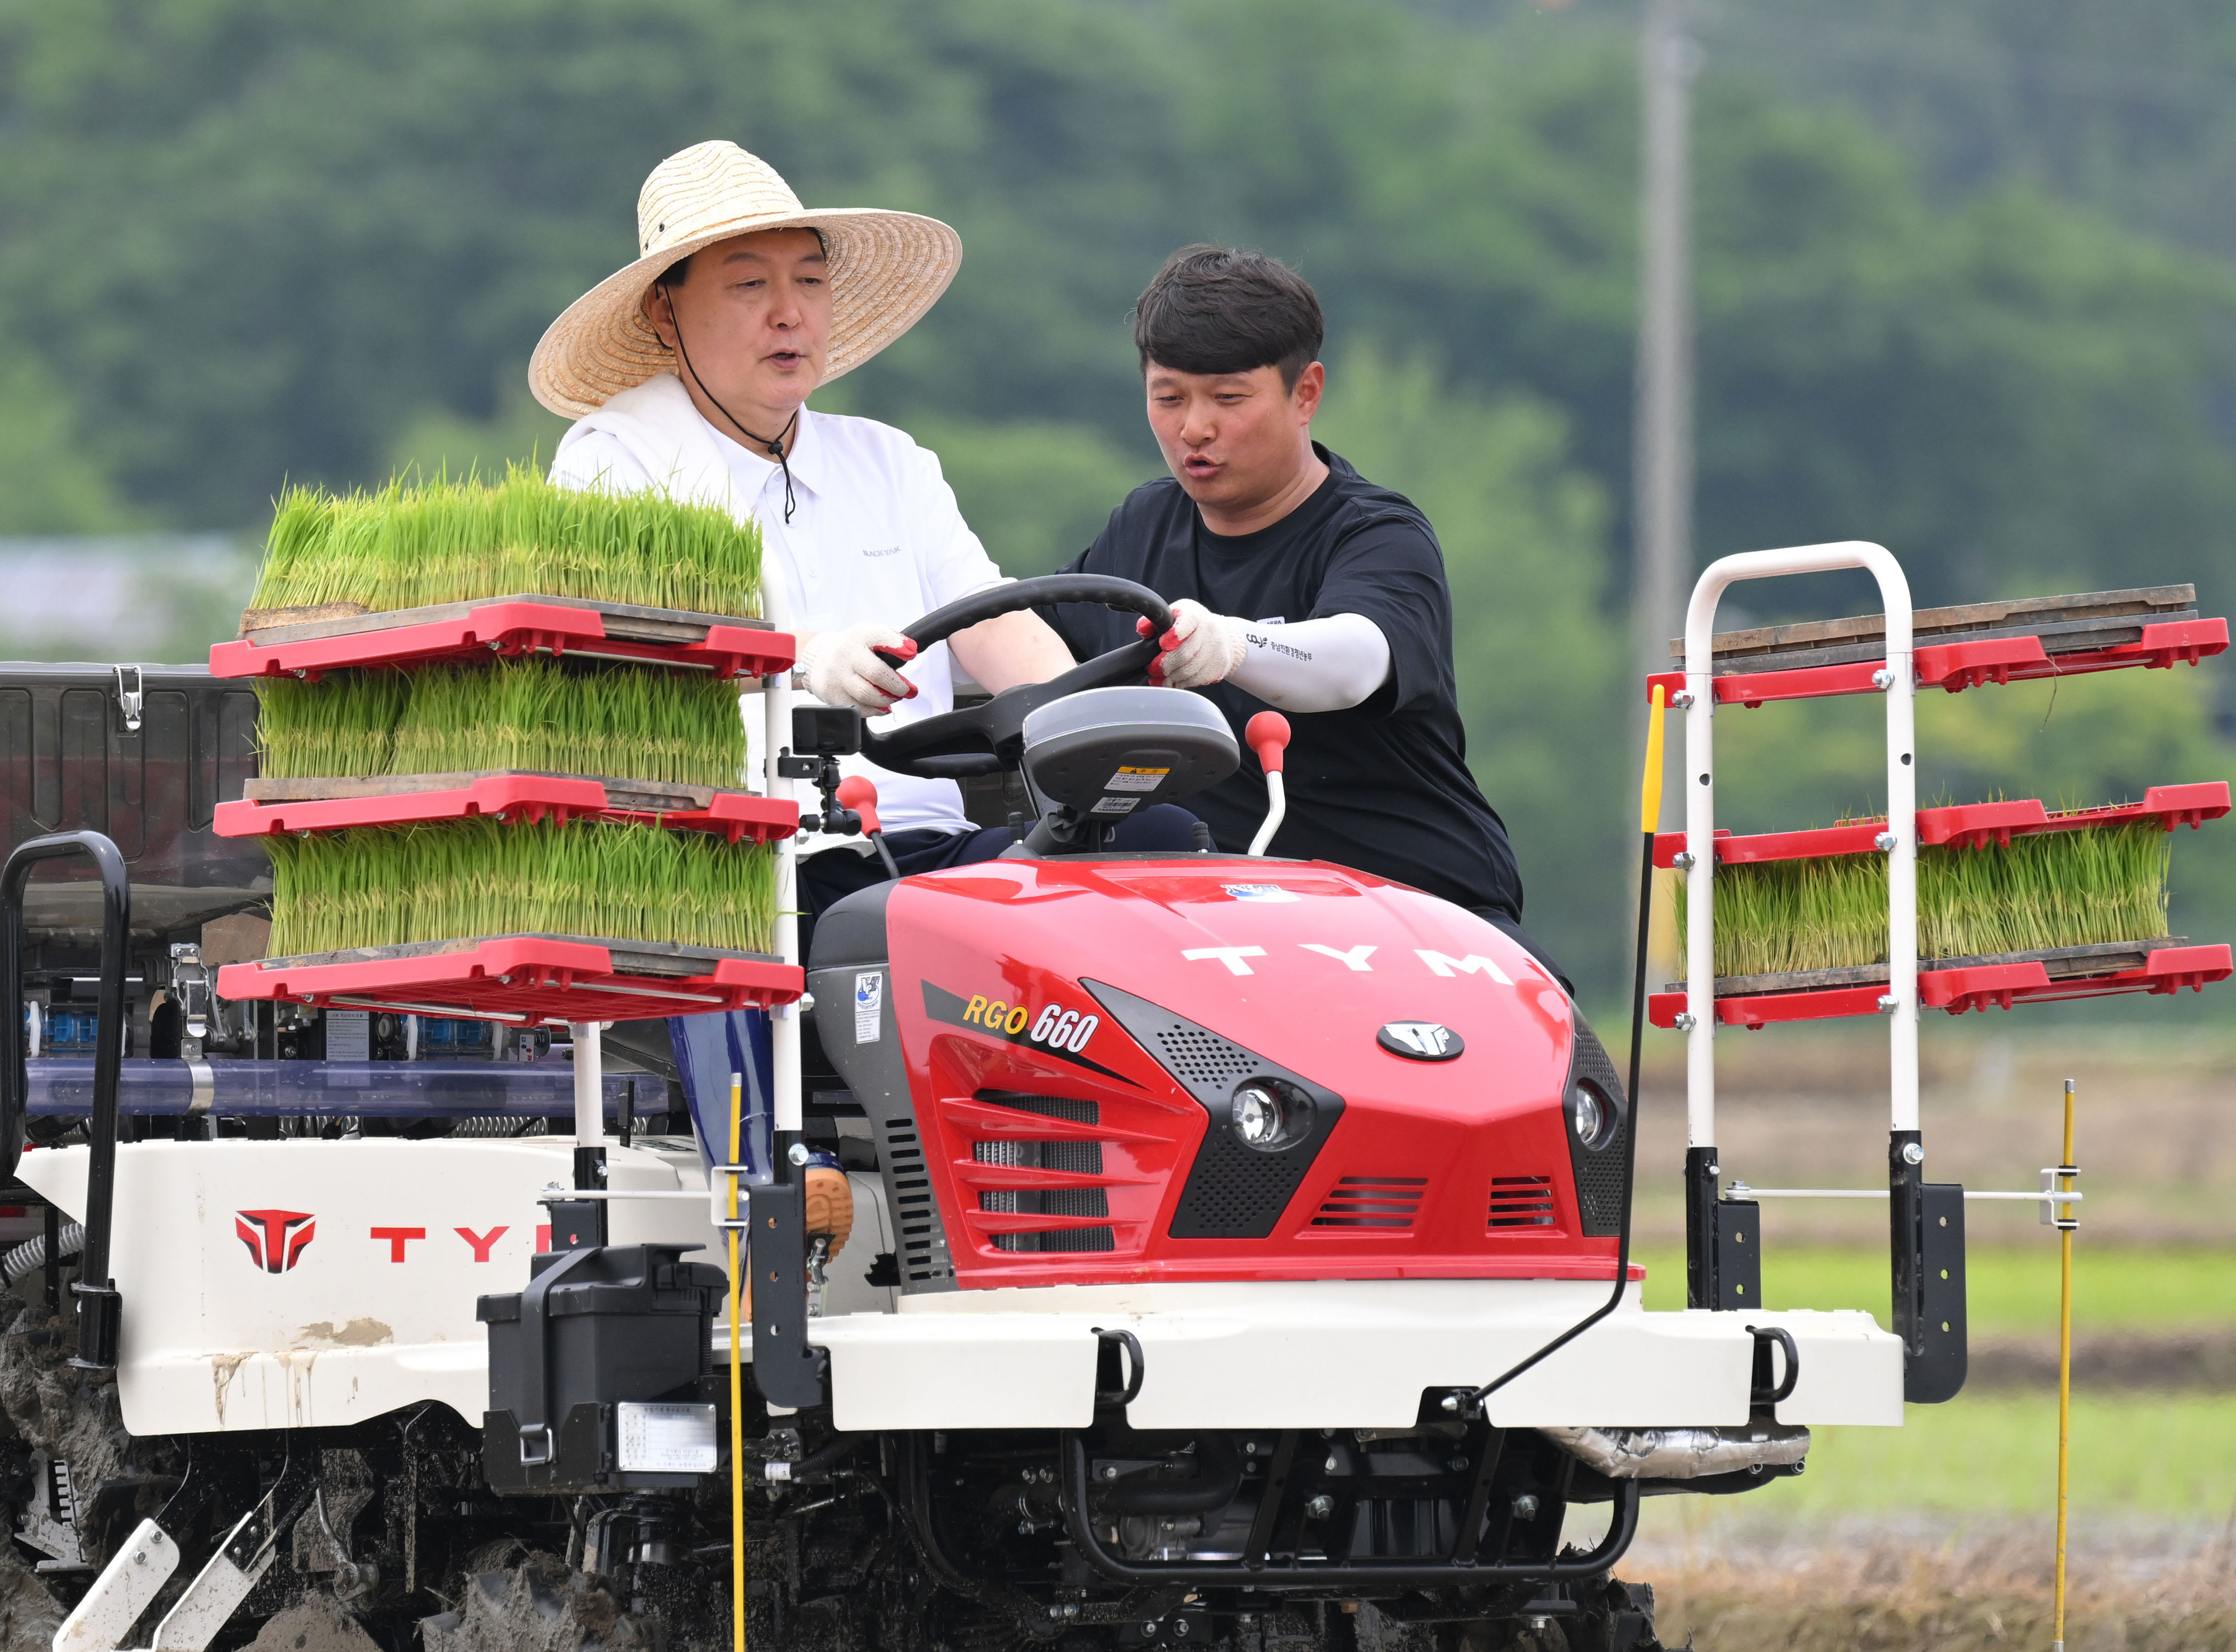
988 738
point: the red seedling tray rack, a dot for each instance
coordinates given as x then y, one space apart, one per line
1972 826
1958 666
507 627
740 816
523 980
1982 984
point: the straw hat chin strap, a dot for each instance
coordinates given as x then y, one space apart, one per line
772 444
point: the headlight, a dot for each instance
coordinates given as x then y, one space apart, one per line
1269 1115
1593 1114
1257 1115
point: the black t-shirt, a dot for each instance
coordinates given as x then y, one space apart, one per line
1382 786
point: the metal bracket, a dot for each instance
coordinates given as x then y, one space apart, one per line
1927 1224
131 696
786 1368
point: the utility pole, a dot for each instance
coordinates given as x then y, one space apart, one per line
1662 478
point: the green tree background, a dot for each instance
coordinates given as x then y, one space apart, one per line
1964 288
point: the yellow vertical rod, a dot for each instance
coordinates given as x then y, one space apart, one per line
2065 1225
738 1388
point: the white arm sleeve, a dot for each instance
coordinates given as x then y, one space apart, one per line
595 462
1327 664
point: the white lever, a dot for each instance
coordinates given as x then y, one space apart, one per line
1268 734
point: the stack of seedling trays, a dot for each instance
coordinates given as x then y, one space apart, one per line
521 807
2016 902
1955 648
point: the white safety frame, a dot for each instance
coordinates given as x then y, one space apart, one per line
776 736
1899 682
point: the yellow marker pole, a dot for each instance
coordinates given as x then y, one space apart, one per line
2066 1222
1649 784
737 1389
1649 818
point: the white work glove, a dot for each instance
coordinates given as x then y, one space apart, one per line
1203 646
841 669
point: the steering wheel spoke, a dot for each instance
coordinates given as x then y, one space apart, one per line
975 741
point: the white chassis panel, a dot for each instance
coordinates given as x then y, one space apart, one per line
376 1312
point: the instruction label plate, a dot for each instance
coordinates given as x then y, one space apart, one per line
665 1439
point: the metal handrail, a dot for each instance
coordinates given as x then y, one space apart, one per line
100 1310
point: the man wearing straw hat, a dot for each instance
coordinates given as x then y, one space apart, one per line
689 371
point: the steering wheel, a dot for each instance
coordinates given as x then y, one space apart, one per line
988 738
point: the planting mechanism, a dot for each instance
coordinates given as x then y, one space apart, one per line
1140 1251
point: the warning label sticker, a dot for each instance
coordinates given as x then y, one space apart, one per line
1136 780
869 999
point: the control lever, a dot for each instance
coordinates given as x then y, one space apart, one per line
1268 735
859 794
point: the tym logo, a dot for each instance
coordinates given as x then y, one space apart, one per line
275 1238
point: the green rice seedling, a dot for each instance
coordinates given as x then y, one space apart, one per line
383 886
343 725
619 721
2085 888
453 539
679 727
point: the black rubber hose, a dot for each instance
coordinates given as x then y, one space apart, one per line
821 1460
1218 1477
1649 808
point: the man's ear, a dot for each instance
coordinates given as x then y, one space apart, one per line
1305 397
660 314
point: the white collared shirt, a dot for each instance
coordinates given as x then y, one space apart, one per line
875 534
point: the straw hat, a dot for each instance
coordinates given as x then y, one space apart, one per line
887 268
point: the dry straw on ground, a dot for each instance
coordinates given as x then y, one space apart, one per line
1988 1593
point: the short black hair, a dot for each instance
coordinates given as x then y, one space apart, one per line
1221 309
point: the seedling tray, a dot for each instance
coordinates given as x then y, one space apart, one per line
523 980
1962 647
2164 965
1971 826
513 794
508 626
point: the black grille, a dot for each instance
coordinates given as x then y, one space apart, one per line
1232 1192
923 1249
1195 1057
1373 1202
1599 1175
1084 1157
1521 1201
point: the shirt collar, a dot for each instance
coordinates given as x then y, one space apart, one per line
806 458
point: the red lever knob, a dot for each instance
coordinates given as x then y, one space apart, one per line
860 794
1268 734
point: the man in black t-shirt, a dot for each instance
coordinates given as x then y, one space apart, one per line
1296 584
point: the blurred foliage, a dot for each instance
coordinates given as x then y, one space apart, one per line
2129 105
1037 493
49 483
244 242
1524 537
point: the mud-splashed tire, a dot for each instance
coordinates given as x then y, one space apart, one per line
536 1604
1614 1616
